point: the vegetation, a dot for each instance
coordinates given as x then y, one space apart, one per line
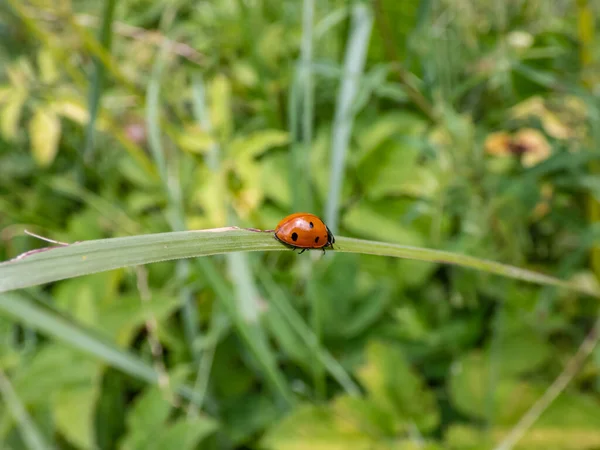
434 137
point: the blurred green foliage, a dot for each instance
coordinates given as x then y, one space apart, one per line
476 130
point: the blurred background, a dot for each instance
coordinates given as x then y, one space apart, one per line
468 126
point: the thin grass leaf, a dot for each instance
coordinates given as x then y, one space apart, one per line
356 54
33 438
172 189
97 84
83 258
153 115
50 323
278 299
219 323
301 114
330 22
203 118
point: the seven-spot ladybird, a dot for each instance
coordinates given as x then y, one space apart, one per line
305 231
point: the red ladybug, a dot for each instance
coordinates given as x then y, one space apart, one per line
305 231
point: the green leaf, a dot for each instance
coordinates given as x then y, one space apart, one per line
36 388
248 415
521 351
571 411
461 437
220 107
123 318
193 139
149 412
367 220
10 115
44 132
256 143
149 427
47 66
367 415
183 434
394 170
60 328
366 312
471 391
274 179
311 427
74 409
31 435
394 386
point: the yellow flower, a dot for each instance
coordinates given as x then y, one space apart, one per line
498 143
533 145
530 144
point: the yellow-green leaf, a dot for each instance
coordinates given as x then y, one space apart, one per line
47 67
74 414
394 386
11 113
252 145
44 132
195 140
71 109
220 107
316 428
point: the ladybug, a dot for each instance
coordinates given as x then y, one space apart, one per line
305 231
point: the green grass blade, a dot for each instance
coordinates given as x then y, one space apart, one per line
301 114
97 84
201 115
278 299
152 115
48 322
306 55
171 187
356 54
93 256
52 324
34 440
219 324
88 257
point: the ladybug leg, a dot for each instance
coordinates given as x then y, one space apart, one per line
303 250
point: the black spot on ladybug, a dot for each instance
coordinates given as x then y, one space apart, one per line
294 237
317 239
312 225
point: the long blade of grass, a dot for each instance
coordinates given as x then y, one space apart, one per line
97 84
278 299
301 114
152 115
356 54
106 254
218 325
172 187
32 437
48 322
